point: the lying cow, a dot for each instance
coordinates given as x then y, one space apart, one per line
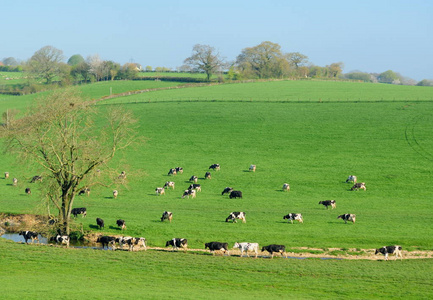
169 184
351 178
227 190
62 239
359 185
195 186
100 223
215 167
121 224
27 235
236 215
177 243
167 215
160 191
245 247
327 203
235 194
79 211
188 193
275 249
396 250
293 217
347 217
106 241
286 187
217 246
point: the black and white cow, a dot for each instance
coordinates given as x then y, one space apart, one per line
27 235
351 178
36 178
188 193
217 246
27 191
227 190
177 243
160 191
131 242
359 185
193 178
275 249
207 175
236 215
62 240
292 217
121 224
172 172
286 187
167 215
100 223
79 211
6 175
169 184
252 168
179 170
195 186
385 250
327 203
215 167
84 191
347 217
106 241
235 194
115 193
245 247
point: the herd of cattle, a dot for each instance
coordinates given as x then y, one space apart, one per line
176 243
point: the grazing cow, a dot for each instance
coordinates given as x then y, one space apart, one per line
188 193
107 240
179 170
177 243
227 190
347 217
122 175
27 235
167 215
121 224
36 178
100 223
79 211
62 239
286 187
131 242
217 246
215 167
359 185
195 186
169 184
245 247
84 191
236 215
193 178
351 178
327 203
160 191
207 175
6 175
385 250
172 172
115 193
252 168
235 194
14 181
292 217
28 191
275 249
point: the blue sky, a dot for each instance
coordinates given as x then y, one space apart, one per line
370 36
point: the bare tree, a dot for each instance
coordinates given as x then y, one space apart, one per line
57 134
205 58
45 63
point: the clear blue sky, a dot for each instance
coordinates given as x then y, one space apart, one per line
370 36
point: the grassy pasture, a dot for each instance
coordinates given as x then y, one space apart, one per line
174 74
33 272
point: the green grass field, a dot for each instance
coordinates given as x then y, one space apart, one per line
313 146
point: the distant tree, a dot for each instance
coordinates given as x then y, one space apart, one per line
113 68
359 76
148 69
98 68
389 77
206 59
262 61
75 60
45 63
317 71
81 72
297 59
335 69
128 71
58 136
10 61
425 82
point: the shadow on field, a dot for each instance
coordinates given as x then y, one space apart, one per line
115 228
108 197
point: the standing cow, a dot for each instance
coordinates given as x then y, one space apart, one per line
347 217
167 215
294 217
327 203
240 215
385 250
286 187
